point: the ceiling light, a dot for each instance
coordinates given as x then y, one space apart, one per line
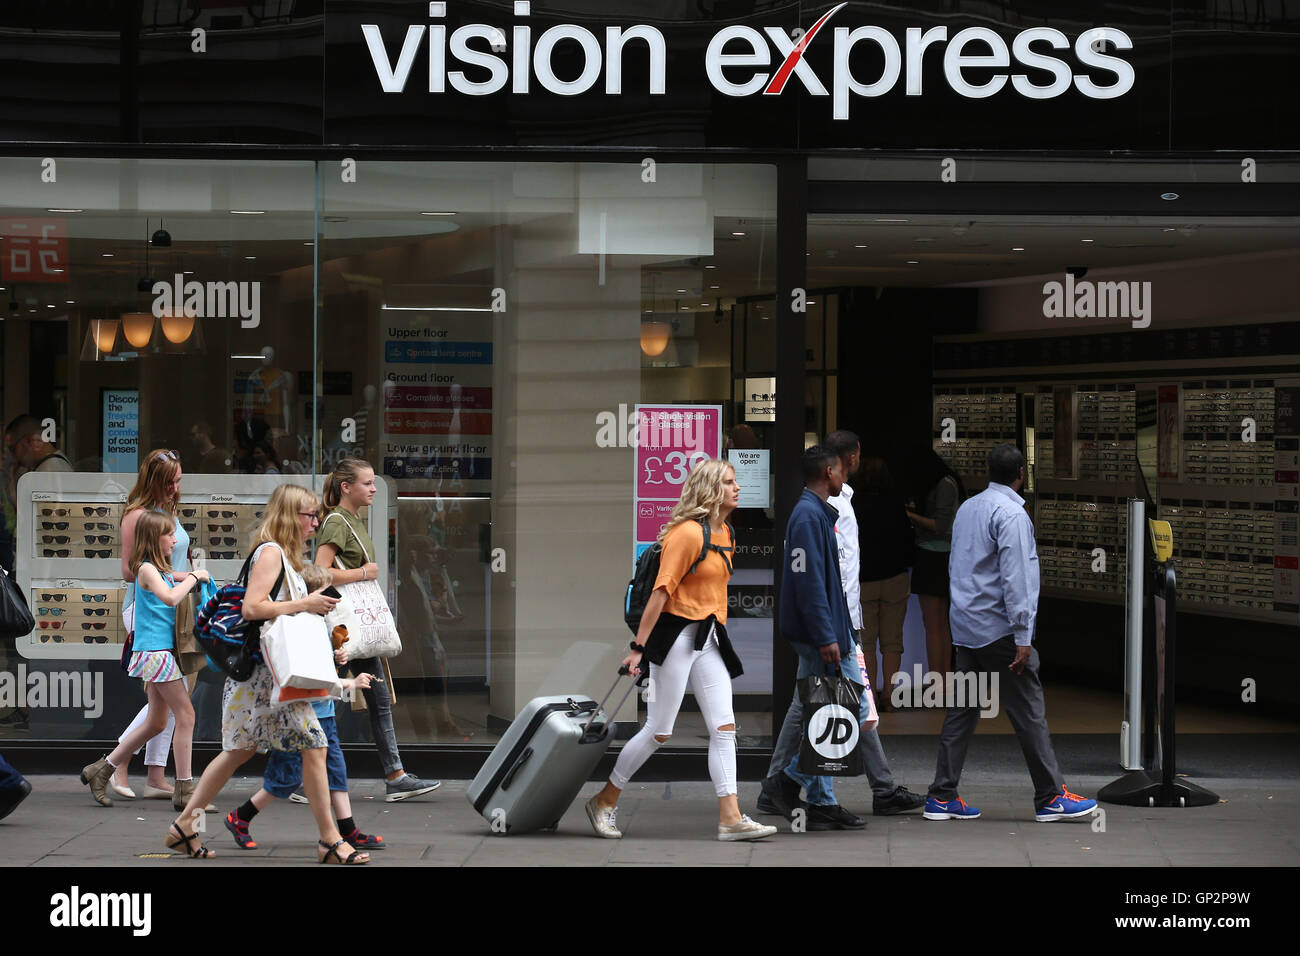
681 291
1169 197
250 257
702 304
710 267
913 262
160 239
893 220
1169 229
654 337
72 301
107 255
49 307
248 212
65 210
923 239
138 328
862 246
1017 248
739 235
715 287
437 214
1087 240
309 243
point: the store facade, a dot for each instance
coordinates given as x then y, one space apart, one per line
465 240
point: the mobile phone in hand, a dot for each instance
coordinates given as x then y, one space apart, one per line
331 591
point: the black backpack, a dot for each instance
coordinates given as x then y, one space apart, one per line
642 584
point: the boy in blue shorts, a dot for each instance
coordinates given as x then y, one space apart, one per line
284 769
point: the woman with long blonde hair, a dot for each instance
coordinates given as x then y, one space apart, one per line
683 633
249 724
157 490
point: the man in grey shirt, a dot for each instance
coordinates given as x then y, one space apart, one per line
993 569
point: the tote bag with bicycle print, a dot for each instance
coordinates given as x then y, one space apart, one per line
375 634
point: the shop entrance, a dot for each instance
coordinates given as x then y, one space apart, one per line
1091 342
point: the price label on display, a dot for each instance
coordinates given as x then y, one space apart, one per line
672 468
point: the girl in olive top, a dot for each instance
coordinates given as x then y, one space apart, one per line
683 633
343 539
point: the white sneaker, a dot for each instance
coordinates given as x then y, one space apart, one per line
602 820
746 829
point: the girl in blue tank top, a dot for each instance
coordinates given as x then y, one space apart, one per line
153 657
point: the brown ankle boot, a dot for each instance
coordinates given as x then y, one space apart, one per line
181 796
97 775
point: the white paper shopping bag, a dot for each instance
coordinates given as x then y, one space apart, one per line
296 647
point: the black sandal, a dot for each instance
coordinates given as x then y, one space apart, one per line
356 858
202 853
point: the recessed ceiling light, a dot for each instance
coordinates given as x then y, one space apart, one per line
72 301
710 267
739 235
702 303
1017 248
649 311
437 214
1169 229
862 246
1169 197
1087 240
309 243
715 287
107 255
248 212
188 272
56 270
31 310
924 239
65 210
913 262
686 308
250 257
49 307
681 291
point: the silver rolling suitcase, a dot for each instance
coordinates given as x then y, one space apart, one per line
546 755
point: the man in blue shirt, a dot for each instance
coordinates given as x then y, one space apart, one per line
993 569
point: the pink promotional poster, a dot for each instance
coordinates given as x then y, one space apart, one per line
670 441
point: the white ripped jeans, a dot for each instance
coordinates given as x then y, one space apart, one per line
711 683
160 744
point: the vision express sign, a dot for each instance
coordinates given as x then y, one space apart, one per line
845 73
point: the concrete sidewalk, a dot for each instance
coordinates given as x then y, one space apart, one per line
673 825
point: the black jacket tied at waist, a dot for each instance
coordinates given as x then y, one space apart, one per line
669 627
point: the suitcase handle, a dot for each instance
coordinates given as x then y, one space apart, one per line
523 759
600 708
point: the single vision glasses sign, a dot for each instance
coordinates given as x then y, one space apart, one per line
479 59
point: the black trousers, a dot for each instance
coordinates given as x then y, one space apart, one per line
1021 696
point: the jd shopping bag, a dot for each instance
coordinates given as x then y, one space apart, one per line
829 744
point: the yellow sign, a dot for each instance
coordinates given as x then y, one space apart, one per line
1162 539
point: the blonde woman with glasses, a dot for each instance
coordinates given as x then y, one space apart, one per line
683 634
249 724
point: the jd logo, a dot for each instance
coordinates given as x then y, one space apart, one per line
833 731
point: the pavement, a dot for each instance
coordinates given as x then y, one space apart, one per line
673 823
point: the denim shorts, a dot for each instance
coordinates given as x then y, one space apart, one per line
284 768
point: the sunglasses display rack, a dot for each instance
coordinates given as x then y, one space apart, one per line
75 586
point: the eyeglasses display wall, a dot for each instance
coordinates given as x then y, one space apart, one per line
1228 462
981 418
70 534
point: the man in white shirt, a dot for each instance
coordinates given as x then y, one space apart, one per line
780 794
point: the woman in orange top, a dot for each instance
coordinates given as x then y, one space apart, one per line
683 633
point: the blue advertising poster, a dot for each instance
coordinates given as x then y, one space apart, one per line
121 421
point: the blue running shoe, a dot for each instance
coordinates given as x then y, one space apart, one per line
954 809
1066 806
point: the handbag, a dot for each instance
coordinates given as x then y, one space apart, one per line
296 648
375 634
15 616
829 741
189 655
230 642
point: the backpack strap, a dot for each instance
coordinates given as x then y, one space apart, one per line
710 546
